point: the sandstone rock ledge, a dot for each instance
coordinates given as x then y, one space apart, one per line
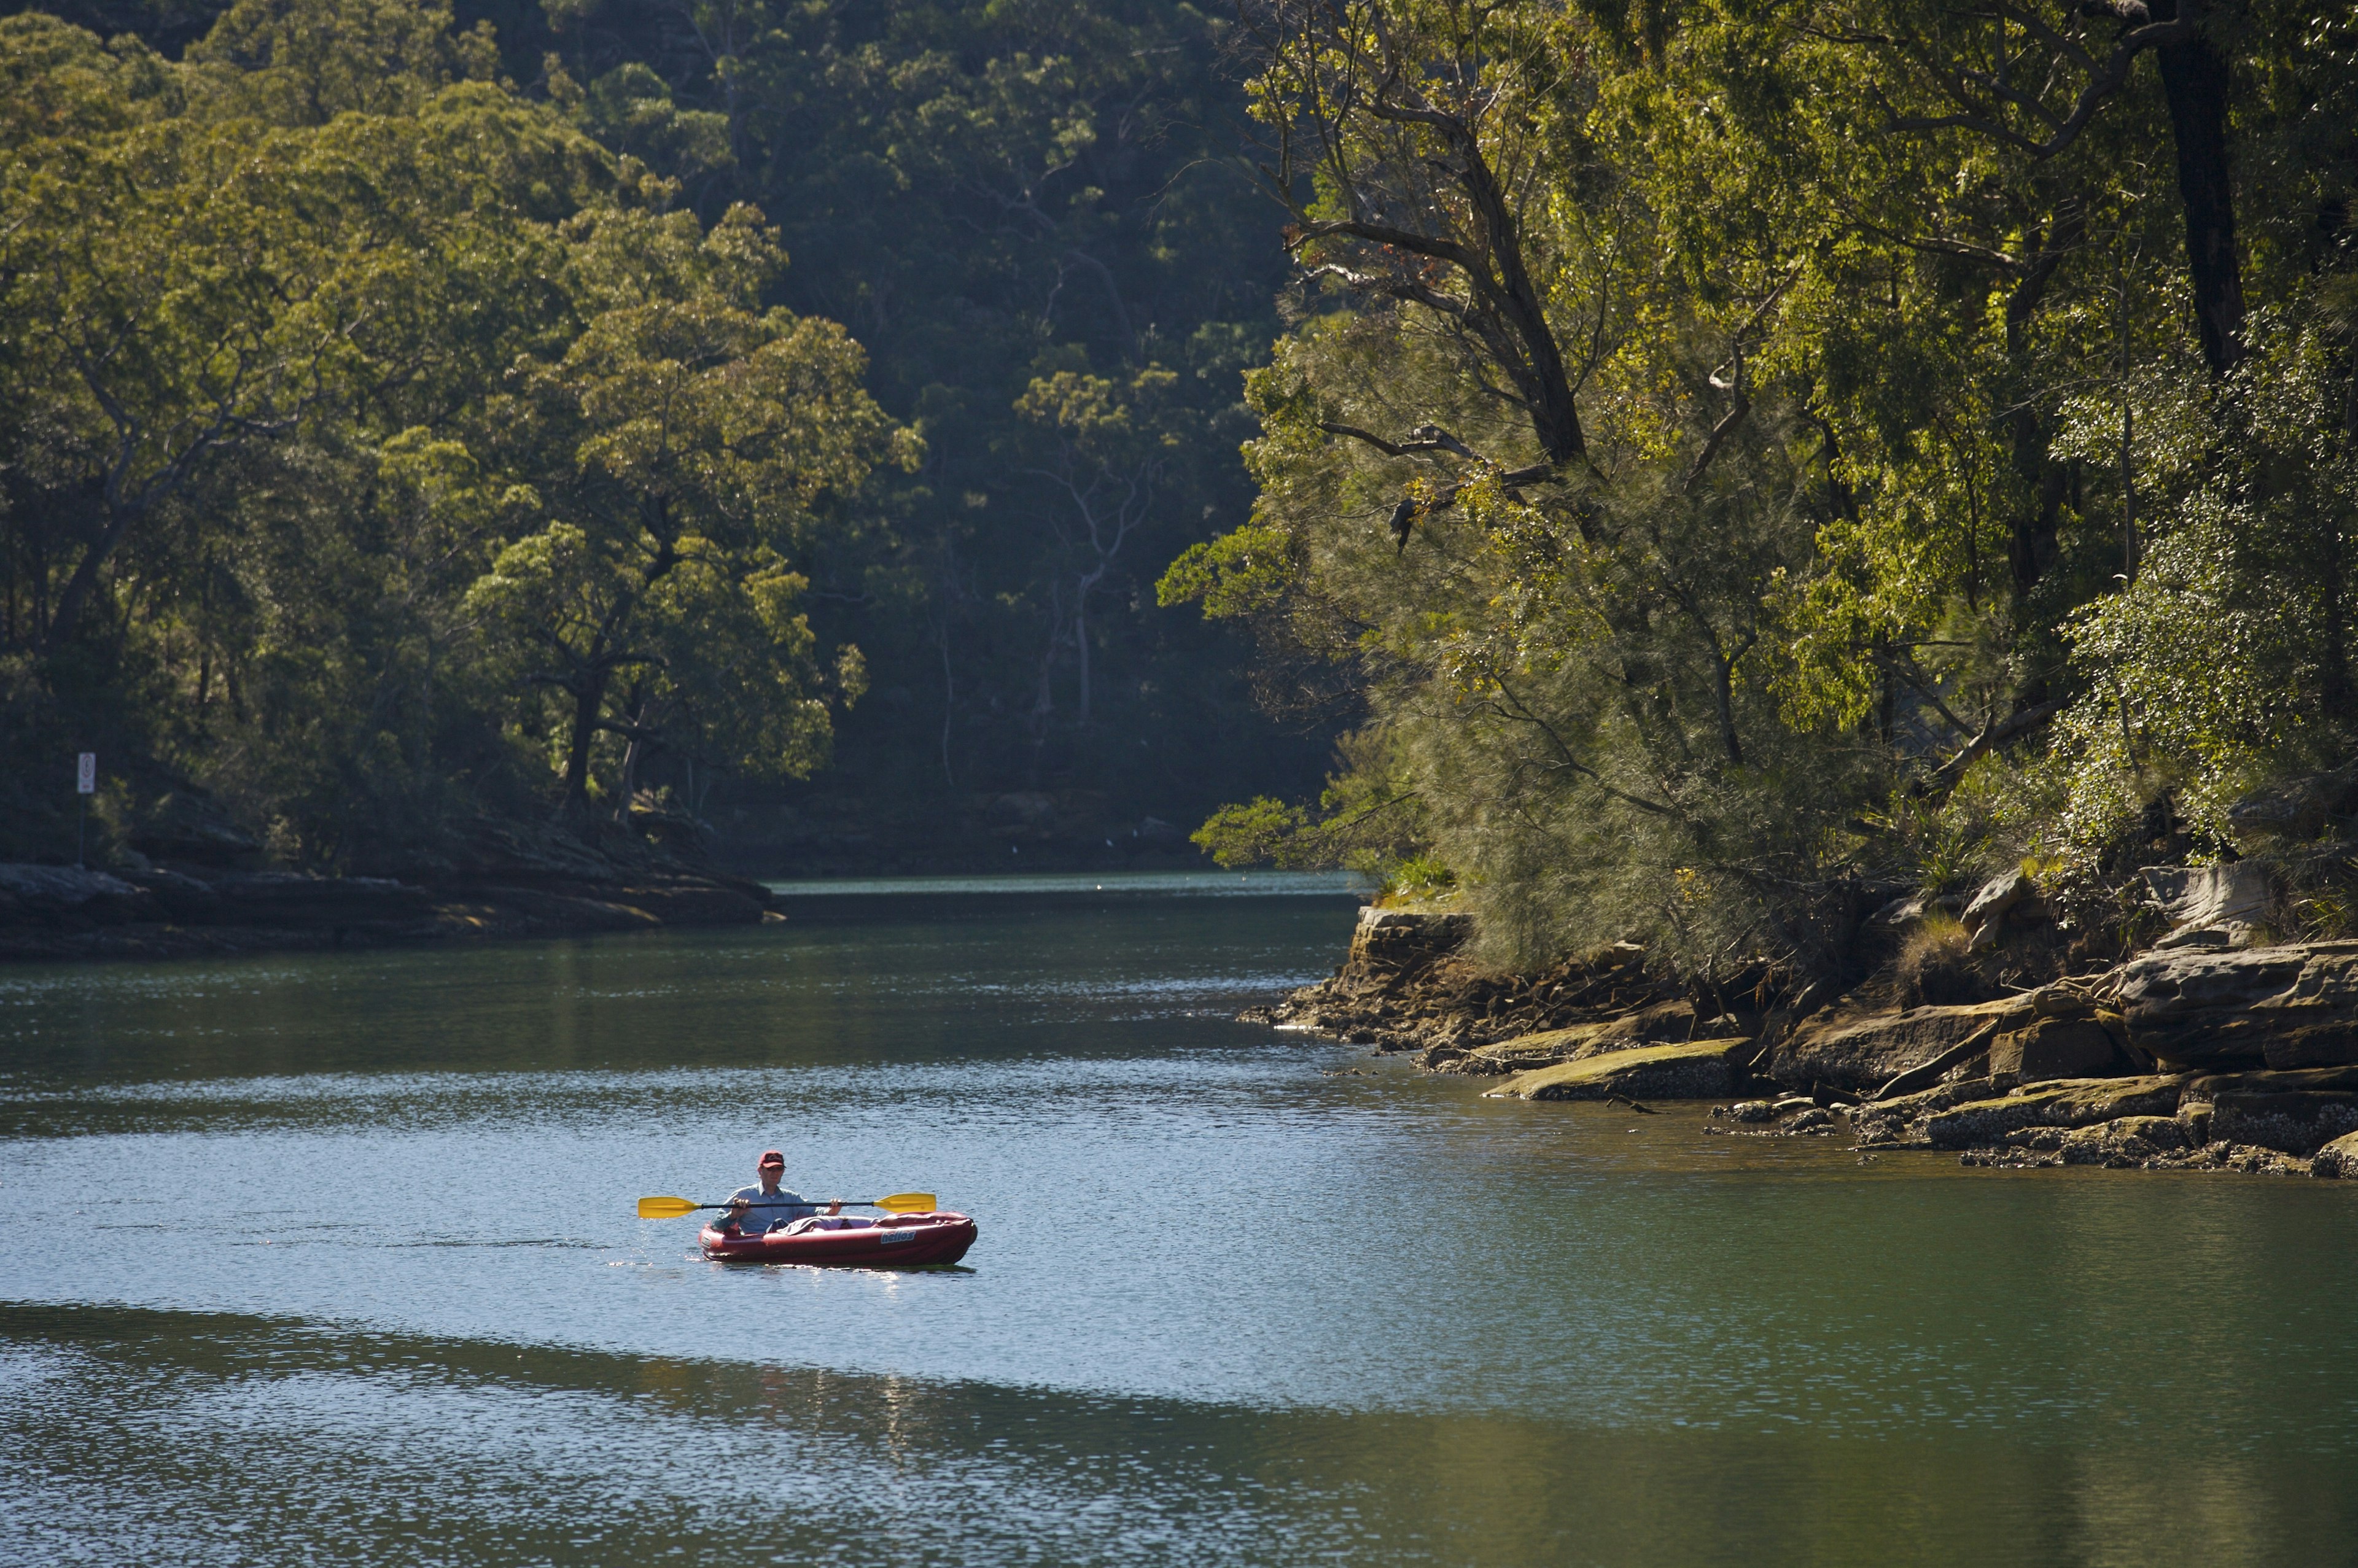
2200 1053
1406 986
1704 1070
63 913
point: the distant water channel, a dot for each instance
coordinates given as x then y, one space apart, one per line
332 1258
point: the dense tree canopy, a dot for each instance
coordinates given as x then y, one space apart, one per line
999 201
1757 457
1032 220
370 428
1729 462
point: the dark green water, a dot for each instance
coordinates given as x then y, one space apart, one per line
321 1260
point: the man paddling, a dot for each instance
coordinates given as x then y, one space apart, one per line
769 1206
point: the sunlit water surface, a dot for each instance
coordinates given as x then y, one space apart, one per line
333 1258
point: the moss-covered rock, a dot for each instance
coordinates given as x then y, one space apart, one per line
1664 1024
1901 1120
1706 1069
1526 1051
2069 1102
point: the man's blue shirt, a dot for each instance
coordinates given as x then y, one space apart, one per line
770 1208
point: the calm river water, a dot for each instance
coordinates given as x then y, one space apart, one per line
332 1258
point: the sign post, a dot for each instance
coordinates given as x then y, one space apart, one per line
85 785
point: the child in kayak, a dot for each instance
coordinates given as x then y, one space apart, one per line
776 1207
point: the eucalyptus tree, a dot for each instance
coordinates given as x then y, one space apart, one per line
1712 435
1528 483
337 377
676 456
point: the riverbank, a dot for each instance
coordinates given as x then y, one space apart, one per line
500 880
2214 1048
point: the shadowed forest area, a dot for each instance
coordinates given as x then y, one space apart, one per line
757 424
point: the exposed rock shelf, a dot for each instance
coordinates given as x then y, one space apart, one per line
521 888
1711 1070
2206 1052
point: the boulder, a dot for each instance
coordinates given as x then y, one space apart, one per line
1862 1054
1984 917
2213 906
1703 1070
1396 941
2071 1102
2338 1159
2294 1112
2304 1080
2056 1048
2283 1007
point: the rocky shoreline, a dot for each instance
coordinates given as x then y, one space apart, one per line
501 880
2214 1049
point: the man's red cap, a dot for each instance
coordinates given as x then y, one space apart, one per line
772 1157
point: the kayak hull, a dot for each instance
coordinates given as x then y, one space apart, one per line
901 1241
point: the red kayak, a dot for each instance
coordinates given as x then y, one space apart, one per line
899 1241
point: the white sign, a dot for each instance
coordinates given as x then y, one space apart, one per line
86 774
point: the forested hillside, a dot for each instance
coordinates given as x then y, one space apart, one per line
627 410
1730 465
1762 460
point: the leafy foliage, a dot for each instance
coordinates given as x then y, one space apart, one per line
1754 461
1035 219
353 400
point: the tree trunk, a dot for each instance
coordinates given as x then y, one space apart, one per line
85 576
2031 542
588 700
2194 80
1081 648
949 699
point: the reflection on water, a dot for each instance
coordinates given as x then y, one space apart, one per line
373 1292
281 1442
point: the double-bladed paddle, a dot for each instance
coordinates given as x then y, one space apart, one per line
899 1203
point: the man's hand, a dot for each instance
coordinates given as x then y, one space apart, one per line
834 1208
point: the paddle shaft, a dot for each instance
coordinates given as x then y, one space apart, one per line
667 1207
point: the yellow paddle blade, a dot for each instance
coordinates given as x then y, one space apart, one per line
899 1203
664 1208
